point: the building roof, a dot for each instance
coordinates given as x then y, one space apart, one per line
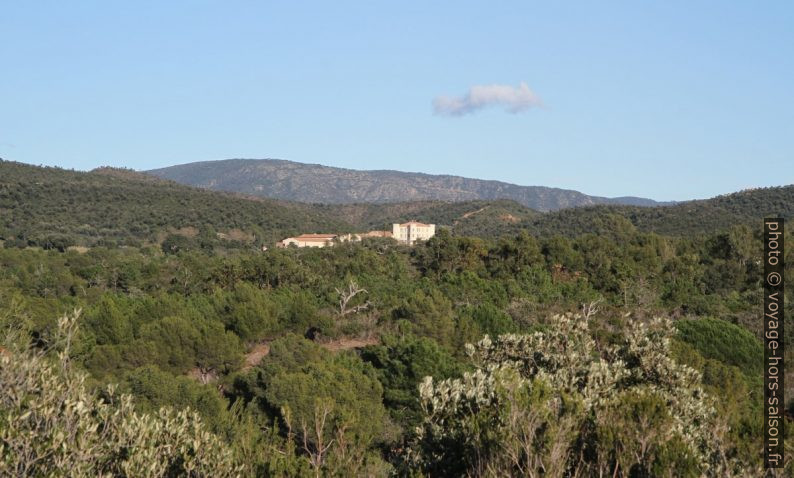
314 237
414 223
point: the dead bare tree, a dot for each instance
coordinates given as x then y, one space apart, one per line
317 450
345 296
591 309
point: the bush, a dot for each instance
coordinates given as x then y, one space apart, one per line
331 405
723 341
402 363
175 243
548 404
50 422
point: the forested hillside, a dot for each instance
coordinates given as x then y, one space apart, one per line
467 218
52 207
691 217
583 345
56 208
494 218
226 336
316 183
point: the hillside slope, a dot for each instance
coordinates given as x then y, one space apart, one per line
322 184
494 218
465 218
39 203
41 206
691 217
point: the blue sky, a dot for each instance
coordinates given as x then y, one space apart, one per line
668 100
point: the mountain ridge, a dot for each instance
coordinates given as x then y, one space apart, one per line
47 205
317 183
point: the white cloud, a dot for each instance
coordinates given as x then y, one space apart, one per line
513 99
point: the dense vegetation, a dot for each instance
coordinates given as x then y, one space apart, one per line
687 218
622 352
464 218
180 330
57 208
53 425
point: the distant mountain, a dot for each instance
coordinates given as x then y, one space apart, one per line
47 206
315 183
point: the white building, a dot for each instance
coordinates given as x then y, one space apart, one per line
413 231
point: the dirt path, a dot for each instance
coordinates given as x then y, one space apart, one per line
471 213
348 343
260 350
256 354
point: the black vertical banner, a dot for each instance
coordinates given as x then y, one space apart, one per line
774 401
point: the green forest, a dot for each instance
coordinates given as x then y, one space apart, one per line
54 208
145 332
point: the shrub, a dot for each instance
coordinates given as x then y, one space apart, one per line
723 341
548 404
50 422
